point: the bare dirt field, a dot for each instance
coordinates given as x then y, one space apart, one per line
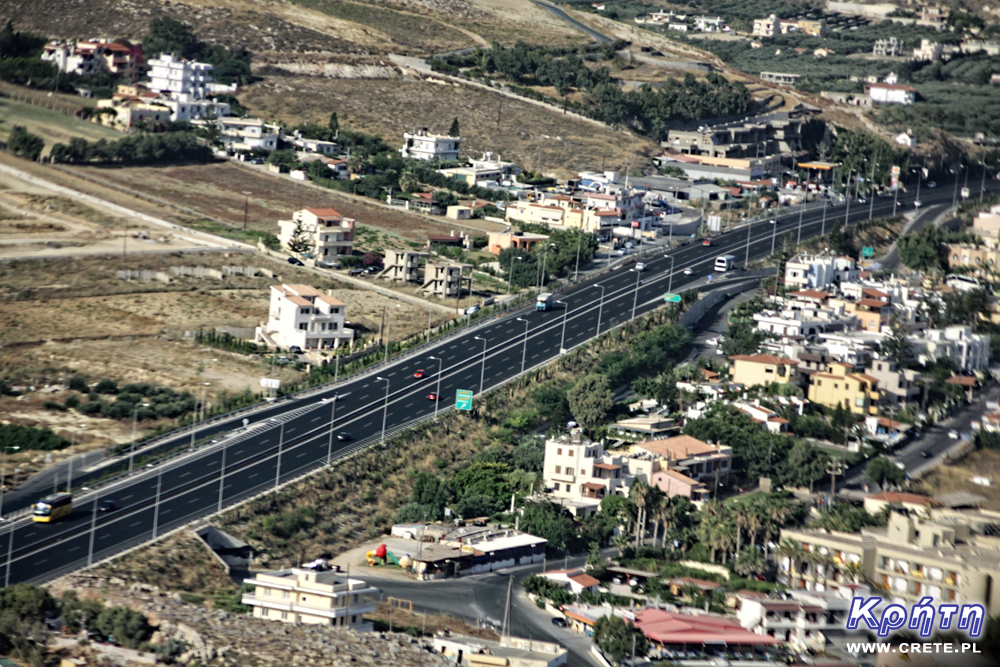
216 190
534 137
955 477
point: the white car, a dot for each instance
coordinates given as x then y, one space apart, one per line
917 204
713 341
931 184
689 272
640 267
622 252
953 434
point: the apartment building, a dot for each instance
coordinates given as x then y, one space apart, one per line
812 27
969 351
402 265
887 48
768 27
424 145
763 369
329 234
87 58
447 279
804 621
928 51
756 138
871 314
246 134
949 556
857 392
579 471
303 316
311 596
700 461
819 271
899 386
171 75
886 93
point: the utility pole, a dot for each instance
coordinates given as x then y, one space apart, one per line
506 608
281 442
801 209
746 260
93 529
246 207
156 505
834 468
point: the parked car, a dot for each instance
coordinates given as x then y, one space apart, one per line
925 454
472 310
295 349
629 245
373 269
559 622
355 272
622 252
323 264
257 160
296 261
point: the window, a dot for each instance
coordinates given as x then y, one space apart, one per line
558 470
555 486
284 595
354 619
559 452
303 326
284 615
305 311
569 471
265 612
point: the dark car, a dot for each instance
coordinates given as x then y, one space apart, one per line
257 160
295 261
343 436
559 622
925 454
373 269
355 272
107 506
295 349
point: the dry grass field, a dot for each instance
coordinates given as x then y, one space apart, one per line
52 126
955 477
531 136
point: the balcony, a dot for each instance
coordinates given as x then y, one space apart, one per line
364 605
562 477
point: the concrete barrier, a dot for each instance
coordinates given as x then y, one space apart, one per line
143 274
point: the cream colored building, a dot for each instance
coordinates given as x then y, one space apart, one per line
303 316
402 265
763 369
447 279
311 596
949 556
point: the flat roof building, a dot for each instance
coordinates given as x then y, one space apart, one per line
299 595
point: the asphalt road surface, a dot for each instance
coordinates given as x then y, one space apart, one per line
287 439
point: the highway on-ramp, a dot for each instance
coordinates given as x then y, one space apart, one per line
286 440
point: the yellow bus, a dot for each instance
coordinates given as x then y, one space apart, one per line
53 508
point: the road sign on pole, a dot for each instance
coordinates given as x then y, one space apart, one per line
868 251
463 399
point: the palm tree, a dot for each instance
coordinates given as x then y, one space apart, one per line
741 517
791 550
656 499
748 561
755 520
638 495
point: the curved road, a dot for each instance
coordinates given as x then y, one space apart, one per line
560 14
290 438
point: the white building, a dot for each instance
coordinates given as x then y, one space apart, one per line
246 134
803 622
303 316
172 75
969 351
95 56
819 271
423 145
768 27
906 139
189 108
330 235
892 94
928 52
317 146
311 596
575 580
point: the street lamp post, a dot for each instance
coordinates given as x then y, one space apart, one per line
746 260
156 503
281 445
670 278
774 232
135 412
895 197
482 369
93 529
524 352
510 276
576 273
822 231
333 419
847 213
954 196
562 341
3 475
802 209
871 192
635 300
438 394
385 409
600 308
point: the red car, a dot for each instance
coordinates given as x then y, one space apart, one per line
706 242
432 396
421 374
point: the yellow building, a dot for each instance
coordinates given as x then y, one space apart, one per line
320 597
763 369
856 392
813 28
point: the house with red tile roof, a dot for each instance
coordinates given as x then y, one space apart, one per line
575 580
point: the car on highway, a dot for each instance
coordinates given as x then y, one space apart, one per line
640 267
917 204
559 622
774 221
433 396
622 252
707 243
420 374
107 506
926 454
295 261
689 272
343 436
953 434
931 184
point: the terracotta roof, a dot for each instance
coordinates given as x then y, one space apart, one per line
585 580
875 294
333 301
708 373
324 212
765 359
810 294
605 213
673 628
298 300
301 290
873 303
678 448
962 381
607 466
867 378
592 486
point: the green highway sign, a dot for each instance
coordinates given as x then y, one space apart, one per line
868 251
672 298
463 399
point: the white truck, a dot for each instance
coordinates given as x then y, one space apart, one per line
544 301
725 263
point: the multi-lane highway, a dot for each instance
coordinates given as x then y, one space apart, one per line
286 440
